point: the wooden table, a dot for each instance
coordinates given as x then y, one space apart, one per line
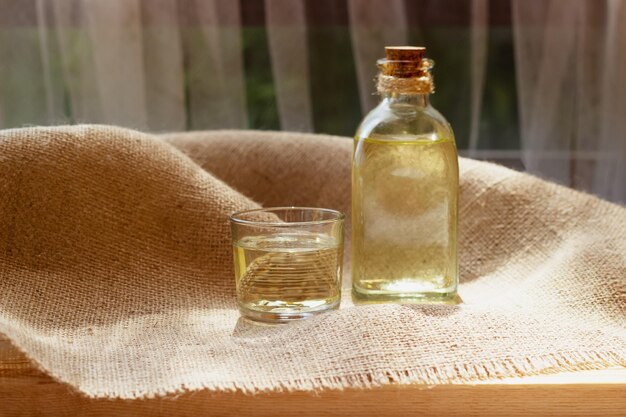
25 391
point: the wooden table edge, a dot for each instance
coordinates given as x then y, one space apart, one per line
24 390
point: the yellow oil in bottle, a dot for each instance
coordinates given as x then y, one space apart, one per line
404 218
287 276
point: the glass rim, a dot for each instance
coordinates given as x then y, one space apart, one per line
339 217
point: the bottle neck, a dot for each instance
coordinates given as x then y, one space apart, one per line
412 99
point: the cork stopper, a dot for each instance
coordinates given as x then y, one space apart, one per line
403 61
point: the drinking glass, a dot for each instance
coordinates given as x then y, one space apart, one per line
288 262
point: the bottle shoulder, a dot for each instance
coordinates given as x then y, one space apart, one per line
404 122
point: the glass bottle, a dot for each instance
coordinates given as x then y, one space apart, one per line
404 190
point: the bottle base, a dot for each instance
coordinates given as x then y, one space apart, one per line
377 297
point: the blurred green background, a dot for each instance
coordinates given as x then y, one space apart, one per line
443 26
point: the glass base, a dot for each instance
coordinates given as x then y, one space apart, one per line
376 297
280 315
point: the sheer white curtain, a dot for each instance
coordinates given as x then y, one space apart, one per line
610 175
374 24
286 27
571 73
167 65
148 64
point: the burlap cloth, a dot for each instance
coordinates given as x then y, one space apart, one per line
116 271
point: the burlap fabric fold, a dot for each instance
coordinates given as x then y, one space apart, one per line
116 271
